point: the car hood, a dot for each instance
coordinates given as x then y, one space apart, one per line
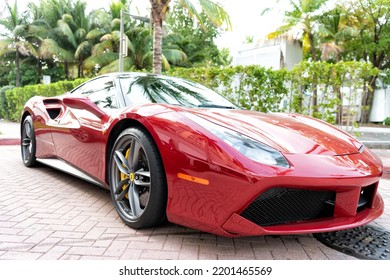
288 133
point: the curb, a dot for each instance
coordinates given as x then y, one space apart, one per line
376 144
386 172
9 141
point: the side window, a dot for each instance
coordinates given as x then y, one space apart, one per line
101 91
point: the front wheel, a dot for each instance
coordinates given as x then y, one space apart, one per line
28 142
137 179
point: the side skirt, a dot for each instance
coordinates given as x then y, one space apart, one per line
67 168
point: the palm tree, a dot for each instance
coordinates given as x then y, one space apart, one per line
300 24
71 34
195 40
140 55
334 31
159 9
105 54
66 32
15 43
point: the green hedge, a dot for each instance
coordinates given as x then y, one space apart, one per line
250 87
15 98
4 110
261 89
335 86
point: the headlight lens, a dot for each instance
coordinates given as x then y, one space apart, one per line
249 147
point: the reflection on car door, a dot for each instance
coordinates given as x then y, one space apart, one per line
78 135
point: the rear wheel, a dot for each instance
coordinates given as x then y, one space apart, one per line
28 142
137 179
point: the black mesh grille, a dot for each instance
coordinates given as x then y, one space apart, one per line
286 205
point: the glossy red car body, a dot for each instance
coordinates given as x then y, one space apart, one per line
212 186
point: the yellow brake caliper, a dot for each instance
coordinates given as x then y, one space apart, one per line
124 176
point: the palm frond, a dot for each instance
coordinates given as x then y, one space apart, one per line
215 13
112 67
174 56
50 48
330 50
165 63
80 35
20 30
64 30
27 49
83 50
102 60
95 34
6 43
102 47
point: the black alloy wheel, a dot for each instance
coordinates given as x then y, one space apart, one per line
28 142
137 179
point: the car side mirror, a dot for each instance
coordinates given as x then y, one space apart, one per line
83 103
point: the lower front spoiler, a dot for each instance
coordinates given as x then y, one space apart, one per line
239 226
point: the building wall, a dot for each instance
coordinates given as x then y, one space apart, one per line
276 54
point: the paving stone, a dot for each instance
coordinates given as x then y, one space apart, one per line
131 254
55 253
116 249
16 255
159 255
55 216
189 252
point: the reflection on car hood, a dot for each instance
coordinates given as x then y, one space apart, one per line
289 133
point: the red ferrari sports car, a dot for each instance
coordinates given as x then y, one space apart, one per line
171 149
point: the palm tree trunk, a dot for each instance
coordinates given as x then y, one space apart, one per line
66 69
80 68
17 66
315 92
39 68
367 99
339 114
157 42
159 9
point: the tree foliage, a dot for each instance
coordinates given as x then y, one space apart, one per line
159 9
350 30
194 38
61 32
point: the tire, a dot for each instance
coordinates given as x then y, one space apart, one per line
28 142
137 179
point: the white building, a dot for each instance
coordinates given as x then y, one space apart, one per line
276 53
381 105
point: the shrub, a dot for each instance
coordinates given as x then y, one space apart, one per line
250 87
18 96
4 112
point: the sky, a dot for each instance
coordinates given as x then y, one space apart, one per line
245 17
247 20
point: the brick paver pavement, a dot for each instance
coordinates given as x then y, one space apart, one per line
46 214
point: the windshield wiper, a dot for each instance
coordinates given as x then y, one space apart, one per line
215 106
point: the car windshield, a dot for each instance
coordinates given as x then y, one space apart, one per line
174 91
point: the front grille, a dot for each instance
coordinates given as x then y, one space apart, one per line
285 205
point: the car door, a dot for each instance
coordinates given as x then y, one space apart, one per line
78 134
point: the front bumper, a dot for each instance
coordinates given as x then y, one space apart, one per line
349 182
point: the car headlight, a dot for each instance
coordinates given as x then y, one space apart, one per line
247 146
